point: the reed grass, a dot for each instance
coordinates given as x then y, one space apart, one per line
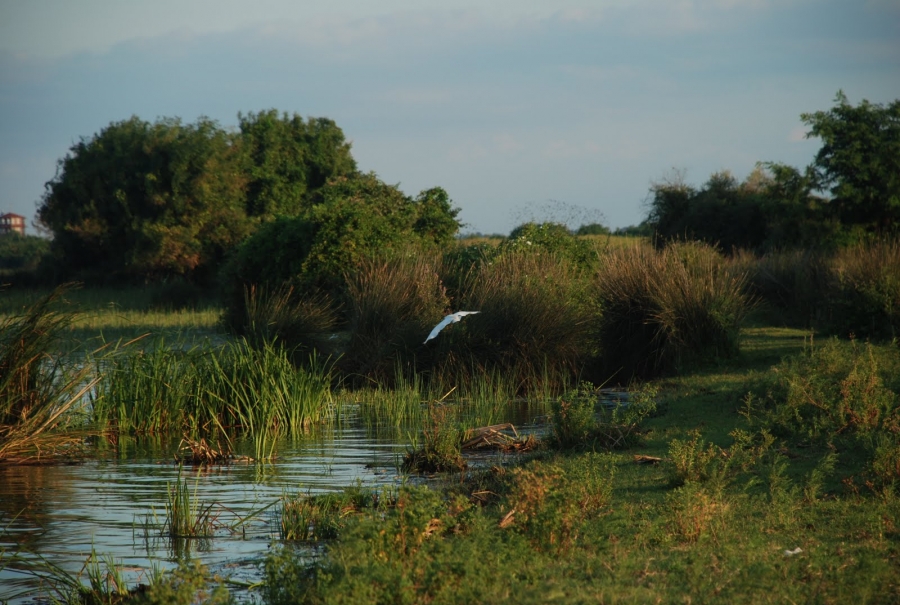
664 310
41 399
441 449
853 291
206 389
395 302
531 325
301 324
186 515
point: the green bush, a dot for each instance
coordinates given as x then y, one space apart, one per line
660 311
394 304
530 326
550 237
580 418
349 221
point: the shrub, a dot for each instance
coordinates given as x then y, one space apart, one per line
549 502
579 418
828 393
551 237
531 323
663 310
301 325
394 303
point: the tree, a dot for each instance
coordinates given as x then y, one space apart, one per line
141 200
348 220
289 159
859 162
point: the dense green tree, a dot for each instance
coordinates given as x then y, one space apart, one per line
723 212
289 159
142 200
348 220
859 162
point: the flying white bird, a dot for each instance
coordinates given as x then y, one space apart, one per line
450 319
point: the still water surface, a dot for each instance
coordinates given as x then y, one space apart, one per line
61 512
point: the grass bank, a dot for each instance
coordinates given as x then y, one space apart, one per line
721 500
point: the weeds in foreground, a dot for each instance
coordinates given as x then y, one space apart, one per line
580 418
836 395
40 399
308 518
441 444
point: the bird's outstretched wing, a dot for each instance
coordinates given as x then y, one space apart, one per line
444 323
449 319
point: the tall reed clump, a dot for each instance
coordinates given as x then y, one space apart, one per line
39 395
531 326
207 388
395 303
865 297
853 291
660 311
303 325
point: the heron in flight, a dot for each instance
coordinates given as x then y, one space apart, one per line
449 319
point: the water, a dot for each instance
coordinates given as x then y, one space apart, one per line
62 512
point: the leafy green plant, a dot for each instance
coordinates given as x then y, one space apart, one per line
579 418
441 440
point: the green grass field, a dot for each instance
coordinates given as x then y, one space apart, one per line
724 517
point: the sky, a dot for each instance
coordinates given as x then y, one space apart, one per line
520 109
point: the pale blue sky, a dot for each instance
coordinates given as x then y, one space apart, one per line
524 110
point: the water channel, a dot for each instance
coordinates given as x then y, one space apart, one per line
61 513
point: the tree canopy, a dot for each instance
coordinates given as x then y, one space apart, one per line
147 199
348 220
778 206
142 200
289 158
859 162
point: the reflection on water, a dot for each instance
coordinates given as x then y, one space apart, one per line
63 512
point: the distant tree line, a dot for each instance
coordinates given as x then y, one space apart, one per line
146 201
850 193
280 198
